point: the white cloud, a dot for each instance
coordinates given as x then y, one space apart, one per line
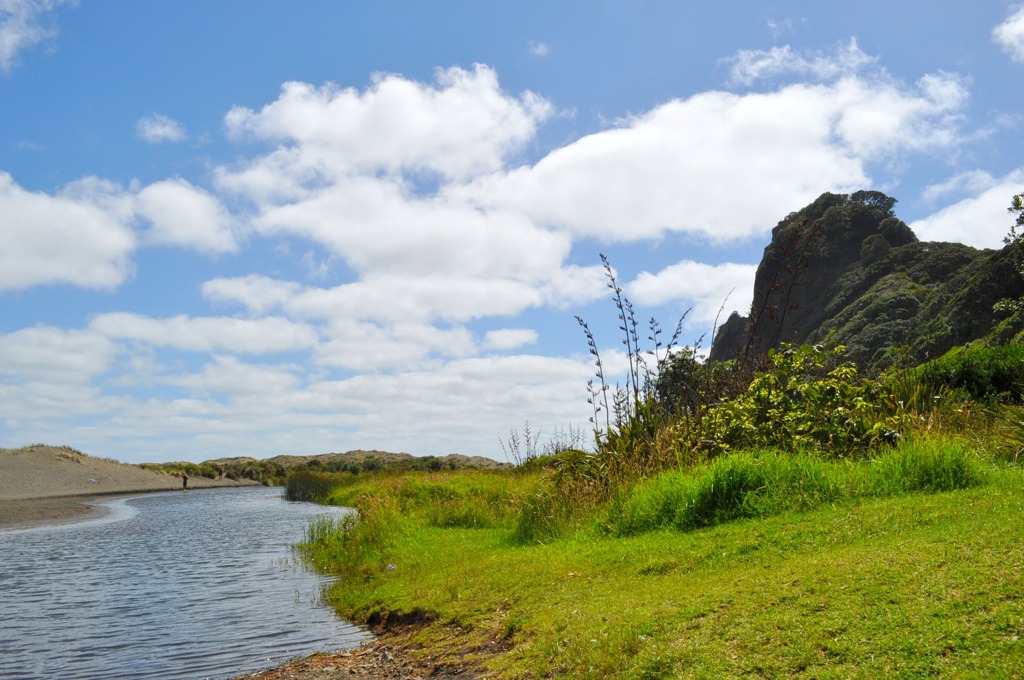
461 126
367 347
704 287
183 215
259 294
539 49
377 226
969 182
84 234
784 26
493 393
208 334
749 66
726 166
23 23
55 355
980 220
392 299
226 374
509 338
157 128
1010 35
80 236
572 285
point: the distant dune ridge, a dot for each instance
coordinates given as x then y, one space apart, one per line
41 471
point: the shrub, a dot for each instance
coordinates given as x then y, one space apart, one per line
310 486
802 403
985 374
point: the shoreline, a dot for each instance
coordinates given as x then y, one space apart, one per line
51 485
27 513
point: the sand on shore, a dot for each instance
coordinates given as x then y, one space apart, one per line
45 484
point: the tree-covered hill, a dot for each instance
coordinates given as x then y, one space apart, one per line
845 270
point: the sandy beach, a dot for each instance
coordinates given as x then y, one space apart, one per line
45 484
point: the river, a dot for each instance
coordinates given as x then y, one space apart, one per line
198 584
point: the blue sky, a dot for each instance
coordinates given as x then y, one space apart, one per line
255 228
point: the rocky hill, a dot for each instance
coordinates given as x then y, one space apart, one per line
845 270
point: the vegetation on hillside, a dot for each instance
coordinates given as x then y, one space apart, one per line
794 511
275 471
845 270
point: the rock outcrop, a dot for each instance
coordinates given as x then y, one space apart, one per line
845 270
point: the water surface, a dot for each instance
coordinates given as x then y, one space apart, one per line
200 584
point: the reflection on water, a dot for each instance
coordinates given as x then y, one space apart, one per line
178 585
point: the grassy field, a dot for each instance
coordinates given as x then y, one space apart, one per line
797 521
911 585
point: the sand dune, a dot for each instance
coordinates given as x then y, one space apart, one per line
45 483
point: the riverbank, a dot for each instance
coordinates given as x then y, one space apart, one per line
393 655
912 584
45 484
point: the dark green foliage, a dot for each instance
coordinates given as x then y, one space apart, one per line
372 464
312 487
985 374
844 270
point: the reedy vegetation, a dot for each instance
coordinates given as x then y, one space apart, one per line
683 446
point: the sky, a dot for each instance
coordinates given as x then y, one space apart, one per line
251 228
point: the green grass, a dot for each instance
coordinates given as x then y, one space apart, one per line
761 484
897 581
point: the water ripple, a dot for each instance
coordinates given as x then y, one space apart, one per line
177 585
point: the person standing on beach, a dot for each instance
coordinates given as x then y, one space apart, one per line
184 482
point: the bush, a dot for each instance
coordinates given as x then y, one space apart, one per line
985 374
801 403
313 487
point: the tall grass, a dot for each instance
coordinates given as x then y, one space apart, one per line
357 544
314 487
748 485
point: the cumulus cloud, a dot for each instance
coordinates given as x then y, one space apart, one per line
208 334
226 374
509 338
55 355
1010 35
259 294
366 175
725 166
85 234
749 66
703 287
181 214
366 347
24 23
980 219
157 128
81 236
462 125
377 226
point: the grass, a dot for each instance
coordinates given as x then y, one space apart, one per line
898 580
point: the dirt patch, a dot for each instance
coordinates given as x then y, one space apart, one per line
394 655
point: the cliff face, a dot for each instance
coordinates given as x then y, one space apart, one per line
845 270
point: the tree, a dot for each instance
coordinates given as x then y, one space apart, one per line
1013 241
1016 208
